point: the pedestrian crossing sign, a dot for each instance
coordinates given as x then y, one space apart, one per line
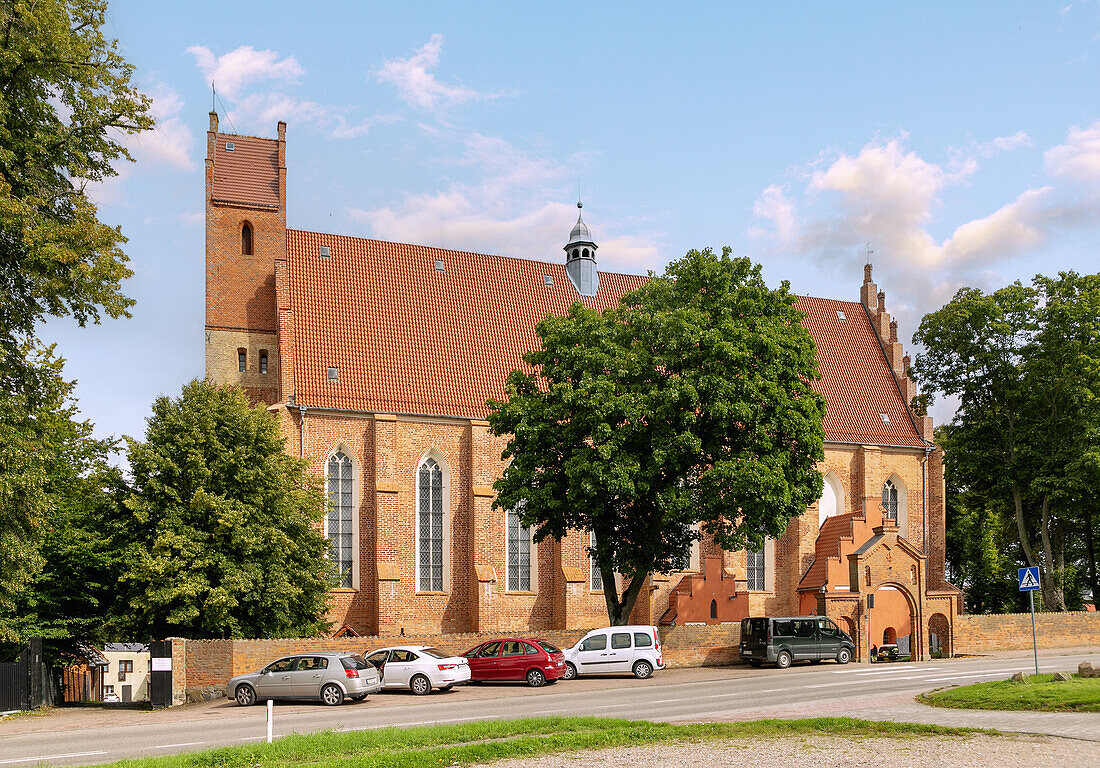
1029 579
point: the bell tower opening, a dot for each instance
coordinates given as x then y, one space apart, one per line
580 262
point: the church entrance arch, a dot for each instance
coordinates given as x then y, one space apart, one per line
894 620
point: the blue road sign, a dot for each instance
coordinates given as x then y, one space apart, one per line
1029 579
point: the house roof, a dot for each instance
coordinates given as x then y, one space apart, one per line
249 173
407 337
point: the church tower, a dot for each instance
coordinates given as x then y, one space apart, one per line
245 234
580 259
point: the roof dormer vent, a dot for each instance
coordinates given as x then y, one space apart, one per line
840 315
230 146
548 281
885 418
439 265
325 252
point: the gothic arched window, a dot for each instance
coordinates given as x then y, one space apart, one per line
595 576
339 524
246 239
890 501
518 538
429 526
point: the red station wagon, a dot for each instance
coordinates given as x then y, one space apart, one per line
515 658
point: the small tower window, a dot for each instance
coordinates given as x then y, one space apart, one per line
714 609
576 253
263 361
585 253
242 360
246 239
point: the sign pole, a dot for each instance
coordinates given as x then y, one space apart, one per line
1034 644
270 713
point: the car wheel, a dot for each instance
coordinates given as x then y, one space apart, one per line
535 678
420 685
642 670
331 695
570 672
245 695
783 660
843 656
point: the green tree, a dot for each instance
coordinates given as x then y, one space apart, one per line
223 534
688 404
66 103
1024 363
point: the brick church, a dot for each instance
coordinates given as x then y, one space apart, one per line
378 358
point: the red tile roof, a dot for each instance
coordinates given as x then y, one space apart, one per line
406 338
249 174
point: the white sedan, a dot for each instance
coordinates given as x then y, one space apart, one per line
419 668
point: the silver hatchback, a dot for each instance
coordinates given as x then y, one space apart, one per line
327 677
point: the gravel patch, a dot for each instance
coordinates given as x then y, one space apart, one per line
834 752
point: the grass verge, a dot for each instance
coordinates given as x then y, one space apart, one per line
1037 692
481 742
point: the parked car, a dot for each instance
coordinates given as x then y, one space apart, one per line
784 640
111 698
515 658
328 677
634 649
419 668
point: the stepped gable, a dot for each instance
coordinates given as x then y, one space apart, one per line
407 338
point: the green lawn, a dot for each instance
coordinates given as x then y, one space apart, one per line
1039 692
479 742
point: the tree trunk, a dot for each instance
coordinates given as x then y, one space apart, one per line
1053 595
1025 541
1090 549
618 611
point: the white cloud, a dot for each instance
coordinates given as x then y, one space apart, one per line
418 87
233 71
512 207
892 197
171 141
1079 157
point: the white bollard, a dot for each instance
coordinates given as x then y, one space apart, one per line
270 715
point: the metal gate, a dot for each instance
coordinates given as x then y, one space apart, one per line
160 676
15 683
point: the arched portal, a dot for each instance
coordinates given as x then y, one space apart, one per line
893 619
939 635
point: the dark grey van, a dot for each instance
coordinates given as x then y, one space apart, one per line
787 639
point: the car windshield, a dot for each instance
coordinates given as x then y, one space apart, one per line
435 653
549 647
355 662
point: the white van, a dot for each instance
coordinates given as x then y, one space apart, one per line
635 649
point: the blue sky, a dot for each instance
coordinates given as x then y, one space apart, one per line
962 140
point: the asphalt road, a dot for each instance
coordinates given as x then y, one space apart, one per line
734 693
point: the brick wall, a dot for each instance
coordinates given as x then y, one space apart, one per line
205 666
1003 632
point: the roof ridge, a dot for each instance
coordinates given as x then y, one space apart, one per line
247 136
454 250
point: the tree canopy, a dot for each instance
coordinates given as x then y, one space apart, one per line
221 534
685 410
1024 363
66 104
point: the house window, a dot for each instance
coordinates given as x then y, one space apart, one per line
339 519
519 553
890 501
595 578
242 360
126 665
429 526
714 609
246 239
263 361
755 570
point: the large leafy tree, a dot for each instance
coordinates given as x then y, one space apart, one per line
222 536
1024 363
687 407
66 104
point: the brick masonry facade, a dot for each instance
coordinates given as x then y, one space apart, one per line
249 308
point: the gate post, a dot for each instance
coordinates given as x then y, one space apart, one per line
160 677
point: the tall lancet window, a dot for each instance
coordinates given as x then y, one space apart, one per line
890 501
246 239
429 526
519 553
338 523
